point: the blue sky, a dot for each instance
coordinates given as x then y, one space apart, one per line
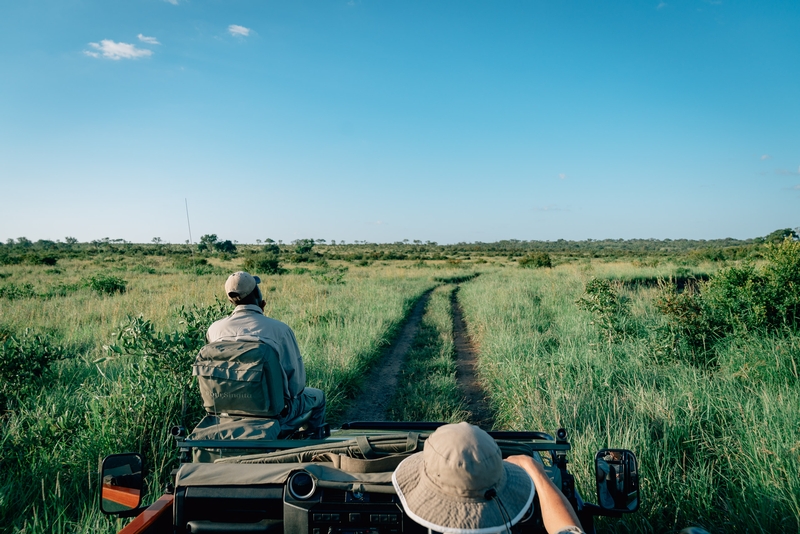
382 120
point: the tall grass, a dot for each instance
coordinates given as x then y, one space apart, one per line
718 448
83 408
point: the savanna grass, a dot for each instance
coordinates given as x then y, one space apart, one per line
98 402
718 448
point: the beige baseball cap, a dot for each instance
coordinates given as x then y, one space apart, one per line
240 284
460 484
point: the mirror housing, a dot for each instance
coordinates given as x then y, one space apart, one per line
121 483
617 475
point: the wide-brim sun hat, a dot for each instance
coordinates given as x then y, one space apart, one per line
460 484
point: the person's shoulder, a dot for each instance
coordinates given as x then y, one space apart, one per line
571 530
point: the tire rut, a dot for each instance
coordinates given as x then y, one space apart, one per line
380 383
467 375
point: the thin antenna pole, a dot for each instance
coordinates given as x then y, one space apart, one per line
186 201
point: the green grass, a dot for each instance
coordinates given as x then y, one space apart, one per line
427 388
719 449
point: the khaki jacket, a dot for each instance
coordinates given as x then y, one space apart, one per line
248 323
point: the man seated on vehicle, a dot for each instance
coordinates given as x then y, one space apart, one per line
248 323
460 483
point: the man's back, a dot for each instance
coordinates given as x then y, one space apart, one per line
248 323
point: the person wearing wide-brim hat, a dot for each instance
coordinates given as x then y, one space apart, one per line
459 484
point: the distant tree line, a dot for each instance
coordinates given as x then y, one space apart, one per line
268 254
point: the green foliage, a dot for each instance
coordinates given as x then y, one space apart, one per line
207 242
14 291
225 247
106 284
41 259
738 300
331 276
610 310
267 263
196 266
144 269
303 246
455 279
535 260
167 356
24 359
778 236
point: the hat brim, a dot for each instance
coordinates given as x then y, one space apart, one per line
428 506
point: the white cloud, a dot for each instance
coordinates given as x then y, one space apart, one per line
661 5
235 29
786 172
116 51
797 187
148 40
549 207
562 176
173 2
765 156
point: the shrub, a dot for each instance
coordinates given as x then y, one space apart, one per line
168 355
263 264
611 312
107 284
37 259
332 276
303 246
737 300
13 291
196 266
24 358
535 260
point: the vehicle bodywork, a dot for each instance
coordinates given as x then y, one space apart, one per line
338 485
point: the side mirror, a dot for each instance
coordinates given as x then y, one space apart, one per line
617 480
120 483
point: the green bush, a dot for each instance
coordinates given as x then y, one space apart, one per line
263 264
330 276
610 310
738 300
24 359
106 284
13 291
535 260
196 266
168 355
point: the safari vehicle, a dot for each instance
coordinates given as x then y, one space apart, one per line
337 485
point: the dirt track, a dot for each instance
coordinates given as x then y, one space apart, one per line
467 376
379 386
381 383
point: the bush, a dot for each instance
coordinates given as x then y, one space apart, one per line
332 276
24 358
535 260
611 311
13 291
107 284
196 266
263 264
168 355
738 300
37 259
